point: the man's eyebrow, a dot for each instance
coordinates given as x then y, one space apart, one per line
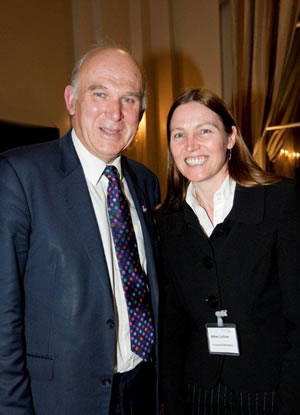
133 94
104 88
94 87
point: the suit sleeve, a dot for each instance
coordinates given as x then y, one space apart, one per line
157 192
289 273
15 394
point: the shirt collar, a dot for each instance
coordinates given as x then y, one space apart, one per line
92 166
225 192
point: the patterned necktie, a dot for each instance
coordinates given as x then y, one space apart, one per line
133 278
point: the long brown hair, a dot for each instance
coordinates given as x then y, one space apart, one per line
242 167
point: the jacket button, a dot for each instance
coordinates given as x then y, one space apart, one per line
110 323
106 381
208 262
213 302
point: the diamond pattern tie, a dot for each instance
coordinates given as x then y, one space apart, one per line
133 278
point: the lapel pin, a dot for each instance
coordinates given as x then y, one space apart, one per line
144 209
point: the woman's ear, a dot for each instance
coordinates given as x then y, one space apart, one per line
232 138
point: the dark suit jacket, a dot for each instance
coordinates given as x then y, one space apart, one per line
57 337
249 266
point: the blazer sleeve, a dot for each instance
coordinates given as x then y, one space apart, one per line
173 329
289 274
15 394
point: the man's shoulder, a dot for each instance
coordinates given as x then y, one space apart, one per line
142 178
30 151
41 153
139 169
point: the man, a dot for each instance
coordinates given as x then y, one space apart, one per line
66 345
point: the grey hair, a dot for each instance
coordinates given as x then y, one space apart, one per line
92 51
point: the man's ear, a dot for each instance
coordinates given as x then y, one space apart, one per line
70 100
232 138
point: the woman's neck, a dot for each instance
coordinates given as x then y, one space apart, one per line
205 191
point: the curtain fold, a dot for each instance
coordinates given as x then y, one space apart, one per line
263 32
287 102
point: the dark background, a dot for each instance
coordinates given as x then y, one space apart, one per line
14 134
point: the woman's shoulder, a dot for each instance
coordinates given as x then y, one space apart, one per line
283 188
282 197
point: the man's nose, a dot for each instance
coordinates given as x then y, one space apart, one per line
114 110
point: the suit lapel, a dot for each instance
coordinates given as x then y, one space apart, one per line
80 211
144 213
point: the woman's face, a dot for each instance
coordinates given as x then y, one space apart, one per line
199 143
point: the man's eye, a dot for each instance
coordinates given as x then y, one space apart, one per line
99 94
204 131
129 100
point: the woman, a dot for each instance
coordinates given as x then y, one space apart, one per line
229 244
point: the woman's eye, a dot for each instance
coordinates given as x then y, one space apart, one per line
178 135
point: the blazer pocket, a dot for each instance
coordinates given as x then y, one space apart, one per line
40 367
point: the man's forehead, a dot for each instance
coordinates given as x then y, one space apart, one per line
112 60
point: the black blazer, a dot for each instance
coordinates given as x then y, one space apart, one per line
249 266
57 336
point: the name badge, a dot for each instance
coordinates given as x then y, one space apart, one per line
222 338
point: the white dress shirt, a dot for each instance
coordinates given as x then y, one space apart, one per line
97 184
223 202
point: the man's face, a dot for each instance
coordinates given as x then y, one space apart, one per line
107 110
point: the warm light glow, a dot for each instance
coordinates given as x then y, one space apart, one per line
283 126
143 122
289 154
141 132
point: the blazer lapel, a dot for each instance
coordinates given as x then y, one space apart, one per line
80 211
248 205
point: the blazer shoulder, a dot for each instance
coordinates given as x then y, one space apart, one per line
282 193
285 185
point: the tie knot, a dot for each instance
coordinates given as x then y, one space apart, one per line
111 172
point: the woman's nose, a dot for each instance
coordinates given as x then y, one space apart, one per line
192 142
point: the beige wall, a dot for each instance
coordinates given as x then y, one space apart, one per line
180 49
176 41
196 35
36 46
